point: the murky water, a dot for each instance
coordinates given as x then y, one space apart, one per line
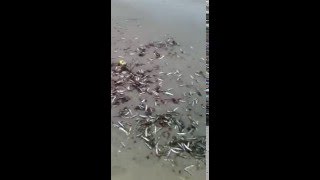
138 22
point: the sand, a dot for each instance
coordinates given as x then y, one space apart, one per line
138 22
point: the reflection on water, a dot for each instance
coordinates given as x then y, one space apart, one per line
139 22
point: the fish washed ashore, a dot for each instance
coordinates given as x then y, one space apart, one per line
158 97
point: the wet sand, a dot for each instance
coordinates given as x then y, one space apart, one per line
139 22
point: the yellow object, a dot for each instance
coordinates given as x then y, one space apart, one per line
122 63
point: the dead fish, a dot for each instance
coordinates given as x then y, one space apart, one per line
168 154
187 169
127 133
167 93
178 149
146 139
186 147
148 146
175 109
155 130
155 93
174 151
120 124
123 144
113 99
116 125
181 146
181 134
157 148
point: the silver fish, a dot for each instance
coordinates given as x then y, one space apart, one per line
168 154
148 146
174 151
187 169
157 148
123 144
127 133
146 139
167 93
186 147
120 124
113 99
181 134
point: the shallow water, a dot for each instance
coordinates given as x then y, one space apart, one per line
136 22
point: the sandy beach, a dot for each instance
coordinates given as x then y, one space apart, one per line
139 27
